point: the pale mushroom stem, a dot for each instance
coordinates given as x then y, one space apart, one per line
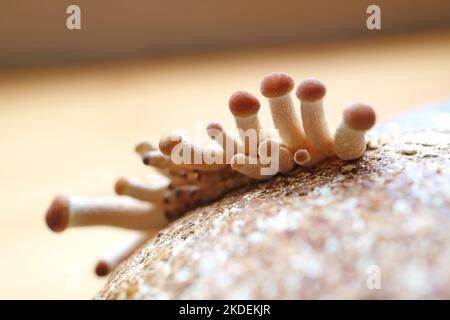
276 87
244 106
311 92
349 138
153 191
191 156
121 212
111 259
230 143
284 156
249 166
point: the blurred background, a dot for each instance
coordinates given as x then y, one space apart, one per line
73 103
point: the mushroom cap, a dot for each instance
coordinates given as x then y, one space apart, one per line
168 142
243 104
121 185
301 156
214 125
213 129
102 268
57 217
143 147
311 89
359 116
276 84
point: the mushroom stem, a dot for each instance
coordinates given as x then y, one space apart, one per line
244 106
311 92
229 142
285 157
191 156
276 87
122 212
156 159
349 138
249 166
151 191
111 259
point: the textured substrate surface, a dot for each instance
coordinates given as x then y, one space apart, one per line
318 233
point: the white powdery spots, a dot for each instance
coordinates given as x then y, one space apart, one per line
234 211
195 254
285 220
224 279
343 210
358 225
253 195
207 266
401 207
217 225
179 246
365 242
415 277
417 225
159 295
268 287
419 182
332 245
350 204
182 275
256 237
308 264
236 226
321 196
244 292
162 268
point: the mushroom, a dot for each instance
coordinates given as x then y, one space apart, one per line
121 212
110 260
311 92
150 191
349 138
276 87
194 174
244 106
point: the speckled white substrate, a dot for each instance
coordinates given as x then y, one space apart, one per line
313 234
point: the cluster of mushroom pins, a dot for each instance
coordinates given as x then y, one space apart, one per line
302 139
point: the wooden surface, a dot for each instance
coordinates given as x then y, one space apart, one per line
73 130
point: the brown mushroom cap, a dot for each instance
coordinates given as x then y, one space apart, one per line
213 128
276 85
168 142
143 147
311 89
57 217
359 116
102 268
120 185
301 156
243 104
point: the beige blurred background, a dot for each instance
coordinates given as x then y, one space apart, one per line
74 103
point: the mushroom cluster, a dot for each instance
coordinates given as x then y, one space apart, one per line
300 139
